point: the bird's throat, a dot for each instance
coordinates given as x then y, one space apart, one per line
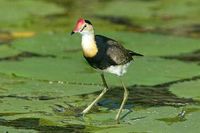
89 45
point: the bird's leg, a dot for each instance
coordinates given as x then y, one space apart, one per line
117 118
99 97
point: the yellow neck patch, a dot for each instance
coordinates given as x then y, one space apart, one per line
89 45
90 51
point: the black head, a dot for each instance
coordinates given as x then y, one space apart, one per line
88 22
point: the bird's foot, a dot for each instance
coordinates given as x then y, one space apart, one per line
80 114
117 121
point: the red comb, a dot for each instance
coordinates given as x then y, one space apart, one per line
79 23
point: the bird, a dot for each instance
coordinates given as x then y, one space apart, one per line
105 55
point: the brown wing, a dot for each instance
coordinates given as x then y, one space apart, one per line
118 53
113 52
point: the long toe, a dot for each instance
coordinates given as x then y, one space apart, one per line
117 120
80 114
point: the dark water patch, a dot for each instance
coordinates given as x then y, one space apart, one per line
188 57
35 124
146 96
29 97
22 55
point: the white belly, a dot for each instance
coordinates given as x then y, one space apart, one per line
118 70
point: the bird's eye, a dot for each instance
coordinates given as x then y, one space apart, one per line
83 27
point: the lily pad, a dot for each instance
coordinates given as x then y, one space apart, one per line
59 44
147 121
187 89
7 51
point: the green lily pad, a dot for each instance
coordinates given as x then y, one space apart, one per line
64 70
7 51
59 44
187 89
147 121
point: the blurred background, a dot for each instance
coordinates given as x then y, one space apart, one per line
158 16
45 81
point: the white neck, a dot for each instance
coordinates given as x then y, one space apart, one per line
87 41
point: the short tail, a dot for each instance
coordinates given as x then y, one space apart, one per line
134 53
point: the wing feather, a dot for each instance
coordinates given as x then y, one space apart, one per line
118 53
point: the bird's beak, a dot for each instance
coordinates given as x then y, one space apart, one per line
72 32
76 29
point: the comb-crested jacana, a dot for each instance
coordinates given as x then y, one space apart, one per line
106 55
